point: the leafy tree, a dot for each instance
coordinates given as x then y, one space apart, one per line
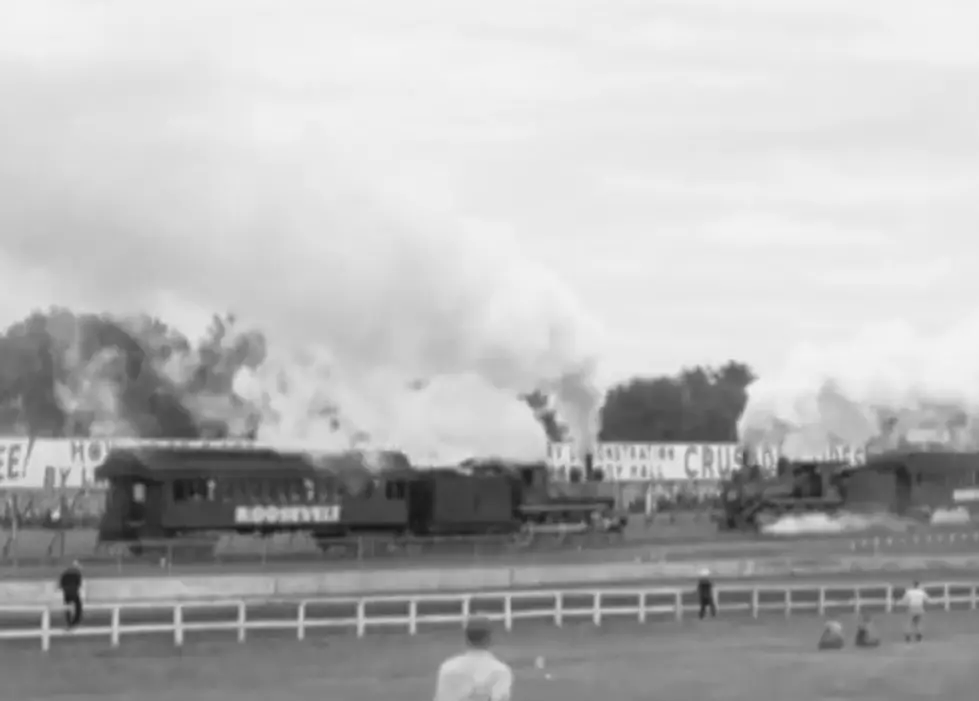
67 374
699 404
63 374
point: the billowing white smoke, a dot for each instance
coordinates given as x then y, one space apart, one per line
889 387
191 155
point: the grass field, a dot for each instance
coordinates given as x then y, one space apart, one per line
722 660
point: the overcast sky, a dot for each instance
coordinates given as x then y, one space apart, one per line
711 178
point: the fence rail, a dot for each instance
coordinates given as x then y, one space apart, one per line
412 613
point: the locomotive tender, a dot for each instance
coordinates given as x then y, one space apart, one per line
173 493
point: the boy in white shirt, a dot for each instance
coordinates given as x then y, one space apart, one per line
476 674
915 598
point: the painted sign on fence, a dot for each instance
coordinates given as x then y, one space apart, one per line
63 463
35 463
671 462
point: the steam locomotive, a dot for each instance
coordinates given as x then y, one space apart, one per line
912 484
174 493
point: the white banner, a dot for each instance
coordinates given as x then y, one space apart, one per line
60 463
670 462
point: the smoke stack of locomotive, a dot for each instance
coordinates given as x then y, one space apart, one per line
589 467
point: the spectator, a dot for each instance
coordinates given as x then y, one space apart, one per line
476 673
915 599
832 638
70 585
866 633
706 595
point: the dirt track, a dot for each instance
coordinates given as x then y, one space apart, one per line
687 539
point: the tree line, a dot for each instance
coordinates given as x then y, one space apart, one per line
56 367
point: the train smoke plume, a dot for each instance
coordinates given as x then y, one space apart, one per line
214 156
888 388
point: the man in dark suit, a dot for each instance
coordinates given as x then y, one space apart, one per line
706 595
70 585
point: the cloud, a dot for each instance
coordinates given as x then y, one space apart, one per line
606 139
886 272
767 231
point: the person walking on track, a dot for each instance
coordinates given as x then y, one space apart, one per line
915 599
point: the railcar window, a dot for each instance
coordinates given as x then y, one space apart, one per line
325 490
191 490
294 490
240 490
233 490
395 490
139 493
273 489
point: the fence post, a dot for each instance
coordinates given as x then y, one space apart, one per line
301 621
596 608
413 616
361 618
788 602
242 621
114 626
947 591
507 612
755 604
178 625
821 601
678 604
46 630
559 609
972 596
889 604
467 605
856 599
642 607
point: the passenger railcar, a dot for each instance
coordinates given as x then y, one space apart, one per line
175 493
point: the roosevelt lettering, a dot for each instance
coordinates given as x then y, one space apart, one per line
288 514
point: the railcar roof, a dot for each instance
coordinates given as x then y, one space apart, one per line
926 459
156 463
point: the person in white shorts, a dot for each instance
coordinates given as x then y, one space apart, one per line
476 674
915 599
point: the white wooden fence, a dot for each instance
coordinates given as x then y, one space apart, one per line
360 614
882 543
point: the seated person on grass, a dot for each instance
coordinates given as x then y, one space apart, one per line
832 638
866 633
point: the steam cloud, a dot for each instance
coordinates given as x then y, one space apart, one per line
183 156
888 388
